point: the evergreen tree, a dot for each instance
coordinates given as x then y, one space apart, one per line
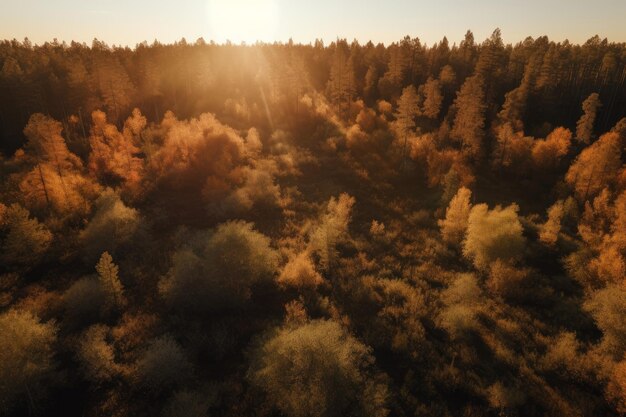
108 275
469 123
584 126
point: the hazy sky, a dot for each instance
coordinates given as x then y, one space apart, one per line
131 21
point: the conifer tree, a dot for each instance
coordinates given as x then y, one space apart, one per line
584 126
109 279
469 123
457 214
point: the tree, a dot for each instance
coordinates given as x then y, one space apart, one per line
96 355
616 388
505 280
300 273
112 227
461 300
163 365
109 280
26 357
595 167
514 106
584 126
408 109
331 229
549 231
114 85
23 239
371 82
469 123
608 307
46 145
216 270
113 154
432 98
341 85
454 225
447 76
493 234
317 370
54 180
548 153
491 56
83 301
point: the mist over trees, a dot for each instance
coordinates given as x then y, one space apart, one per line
313 230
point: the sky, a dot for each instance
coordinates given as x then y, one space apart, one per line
130 22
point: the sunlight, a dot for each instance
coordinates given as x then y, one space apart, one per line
242 20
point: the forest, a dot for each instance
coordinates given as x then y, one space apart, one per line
313 230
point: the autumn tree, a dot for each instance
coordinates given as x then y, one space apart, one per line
96 355
469 122
113 156
549 231
454 225
408 109
431 106
109 280
548 153
83 301
23 239
300 273
317 369
163 365
218 268
113 226
584 126
26 357
331 229
341 85
115 87
512 149
461 301
595 167
54 180
505 280
608 307
616 388
493 234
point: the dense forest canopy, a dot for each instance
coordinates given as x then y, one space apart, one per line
312 231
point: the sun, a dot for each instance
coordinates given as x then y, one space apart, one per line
242 20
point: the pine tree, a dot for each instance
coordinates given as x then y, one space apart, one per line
584 126
25 240
108 275
341 85
595 167
549 231
457 214
469 122
408 109
432 98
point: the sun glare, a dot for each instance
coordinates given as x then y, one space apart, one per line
242 20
